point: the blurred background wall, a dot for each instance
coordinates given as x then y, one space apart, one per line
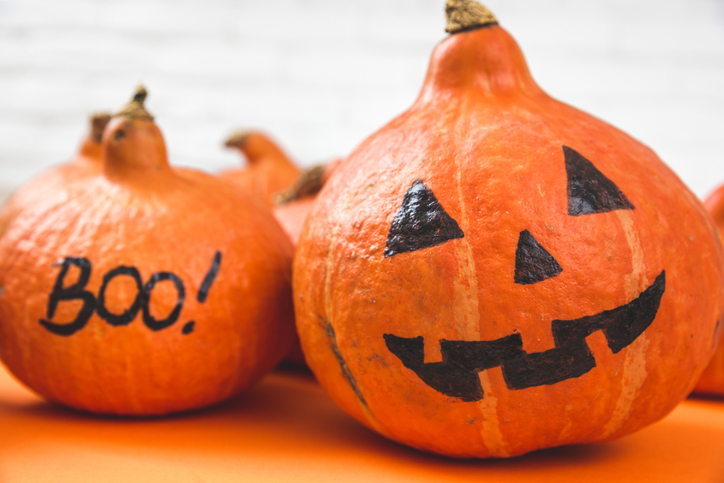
321 75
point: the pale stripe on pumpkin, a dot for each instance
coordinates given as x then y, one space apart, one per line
634 365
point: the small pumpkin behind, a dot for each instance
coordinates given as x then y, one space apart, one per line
87 162
291 210
293 204
712 380
272 178
269 170
142 291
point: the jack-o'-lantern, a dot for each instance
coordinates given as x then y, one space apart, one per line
712 380
495 272
269 170
86 163
142 290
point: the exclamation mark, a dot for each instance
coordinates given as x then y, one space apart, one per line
204 289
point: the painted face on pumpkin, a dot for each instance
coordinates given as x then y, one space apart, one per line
422 222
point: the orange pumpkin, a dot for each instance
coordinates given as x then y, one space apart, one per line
86 163
495 272
294 203
268 172
140 291
712 380
293 206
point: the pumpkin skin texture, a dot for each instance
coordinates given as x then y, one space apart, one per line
427 299
293 207
291 216
712 380
86 163
294 203
269 170
145 349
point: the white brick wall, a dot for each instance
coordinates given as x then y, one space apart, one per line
321 75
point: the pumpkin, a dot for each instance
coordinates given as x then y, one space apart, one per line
495 272
268 172
291 210
87 162
139 291
293 204
712 380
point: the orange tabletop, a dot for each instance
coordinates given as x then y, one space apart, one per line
286 429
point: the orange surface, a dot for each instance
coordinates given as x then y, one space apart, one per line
287 429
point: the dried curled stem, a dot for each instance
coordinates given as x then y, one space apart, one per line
308 184
237 139
98 122
135 108
464 15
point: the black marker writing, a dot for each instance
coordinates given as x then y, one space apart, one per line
126 317
73 292
209 278
148 319
141 303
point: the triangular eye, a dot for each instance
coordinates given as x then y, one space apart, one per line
421 222
589 190
533 263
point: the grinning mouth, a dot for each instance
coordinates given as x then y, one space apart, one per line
457 374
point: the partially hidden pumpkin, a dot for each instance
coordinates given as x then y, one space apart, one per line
291 210
495 272
293 204
142 291
712 380
269 170
276 181
86 163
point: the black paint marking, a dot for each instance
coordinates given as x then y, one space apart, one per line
421 222
589 190
457 374
209 278
148 319
141 302
129 314
533 263
332 337
72 292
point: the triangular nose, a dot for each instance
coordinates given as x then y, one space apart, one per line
421 222
589 190
533 263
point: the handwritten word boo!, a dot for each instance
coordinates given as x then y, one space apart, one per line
93 304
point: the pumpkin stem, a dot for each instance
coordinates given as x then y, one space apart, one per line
464 15
237 139
135 108
257 148
98 122
307 184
